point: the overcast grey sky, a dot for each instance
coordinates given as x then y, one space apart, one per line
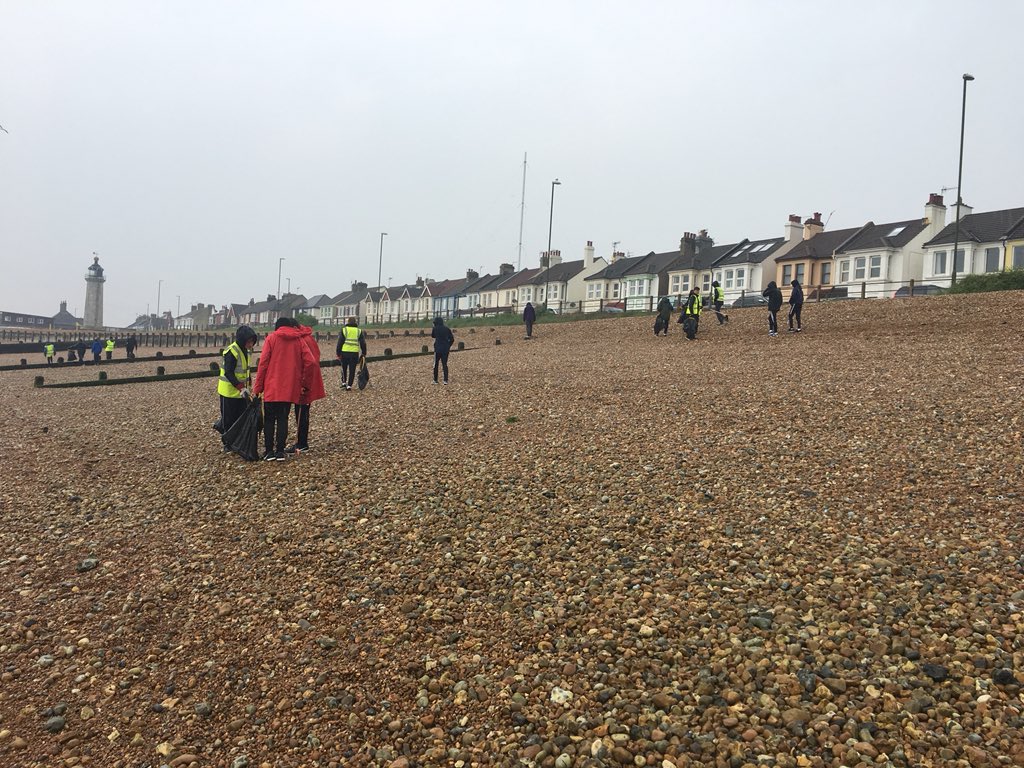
199 141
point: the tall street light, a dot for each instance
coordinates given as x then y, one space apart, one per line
281 259
551 218
380 264
959 181
159 283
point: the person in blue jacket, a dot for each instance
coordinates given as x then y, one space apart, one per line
443 340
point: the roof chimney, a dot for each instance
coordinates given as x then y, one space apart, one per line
813 226
63 306
793 230
935 215
419 281
504 270
688 246
472 274
588 255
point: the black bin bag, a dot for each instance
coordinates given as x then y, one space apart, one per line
244 435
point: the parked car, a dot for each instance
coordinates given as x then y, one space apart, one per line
613 306
919 290
750 300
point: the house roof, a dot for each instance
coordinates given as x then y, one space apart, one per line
821 246
895 234
522 277
752 251
560 273
618 268
985 227
320 300
63 317
447 287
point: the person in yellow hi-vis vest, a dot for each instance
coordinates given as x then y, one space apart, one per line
691 313
109 347
48 351
717 300
351 346
234 380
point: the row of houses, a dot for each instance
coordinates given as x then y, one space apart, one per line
873 260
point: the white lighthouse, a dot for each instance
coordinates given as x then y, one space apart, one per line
94 281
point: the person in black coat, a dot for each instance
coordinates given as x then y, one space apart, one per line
774 296
796 303
443 340
529 318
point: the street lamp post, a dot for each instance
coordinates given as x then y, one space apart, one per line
289 285
281 259
159 283
551 218
959 181
380 264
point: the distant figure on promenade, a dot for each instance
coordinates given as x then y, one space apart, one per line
351 346
109 346
717 300
234 381
664 316
691 313
48 351
285 370
529 318
315 391
796 303
774 296
443 340
97 350
130 346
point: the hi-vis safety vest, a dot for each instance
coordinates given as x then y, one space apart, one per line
224 387
110 345
49 350
351 334
698 302
719 293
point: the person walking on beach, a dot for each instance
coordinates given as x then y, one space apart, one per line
664 316
48 351
285 370
717 300
529 318
97 350
443 340
351 346
796 304
130 346
774 296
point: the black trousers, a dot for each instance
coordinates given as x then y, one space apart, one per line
718 312
230 409
302 430
529 329
773 323
794 311
442 358
349 363
275 426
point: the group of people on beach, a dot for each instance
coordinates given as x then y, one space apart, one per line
288 377
76 352
691 309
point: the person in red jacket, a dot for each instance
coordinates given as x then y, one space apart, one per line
314 392
284 373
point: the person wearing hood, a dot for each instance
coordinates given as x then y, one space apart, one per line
443 340
661 323
80 347
234 380
717 301
691 313
314 392
796 303
529 318
351 346
97 350
284 373
774 296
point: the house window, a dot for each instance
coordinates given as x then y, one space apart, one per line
991 259
959 260
406 305
554 291
859 267
684 284
826 273
1018 257
939 263
876 267
718 275
800 273
636 287
729 274
706 283
741 277
787 274
675 283
844 271
615 290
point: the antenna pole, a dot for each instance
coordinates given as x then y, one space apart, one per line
522 213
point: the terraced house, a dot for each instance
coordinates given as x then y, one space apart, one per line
989 242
